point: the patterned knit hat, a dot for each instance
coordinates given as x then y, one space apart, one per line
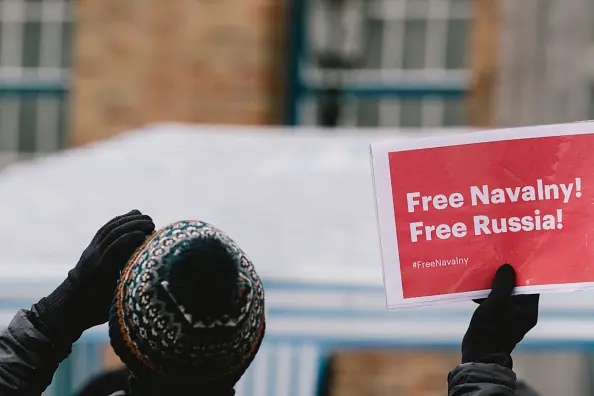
189 307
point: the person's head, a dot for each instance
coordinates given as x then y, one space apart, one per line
189 309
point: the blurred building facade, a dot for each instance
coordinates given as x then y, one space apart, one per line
75 72
410 63
72 72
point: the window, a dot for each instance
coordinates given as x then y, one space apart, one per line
410 43
34 61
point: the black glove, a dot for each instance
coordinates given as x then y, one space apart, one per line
84 299
500 322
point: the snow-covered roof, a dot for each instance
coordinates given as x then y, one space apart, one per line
300 203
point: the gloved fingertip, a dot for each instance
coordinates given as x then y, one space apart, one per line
145 227
149 227
126 244
136 237
504 281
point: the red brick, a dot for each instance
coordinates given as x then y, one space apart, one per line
192 61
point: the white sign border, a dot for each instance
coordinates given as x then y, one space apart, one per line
385 208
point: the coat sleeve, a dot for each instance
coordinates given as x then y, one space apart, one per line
28 358
481 379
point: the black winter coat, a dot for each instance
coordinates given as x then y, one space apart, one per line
482 379
28 358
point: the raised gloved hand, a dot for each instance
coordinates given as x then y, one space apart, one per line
84 298
500 322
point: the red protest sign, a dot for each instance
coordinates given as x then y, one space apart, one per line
451 210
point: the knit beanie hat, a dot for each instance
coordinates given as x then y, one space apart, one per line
189 308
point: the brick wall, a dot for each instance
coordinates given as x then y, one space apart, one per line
424 373
203 61
391 373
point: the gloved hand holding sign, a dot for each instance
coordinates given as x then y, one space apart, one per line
500 322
